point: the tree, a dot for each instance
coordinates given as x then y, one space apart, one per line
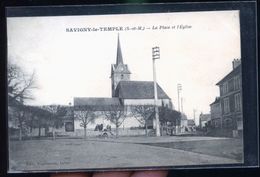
85 114
27 117
20 88
169 115
143 113
20 85
31 118
116 115
37 118
19 117
55 119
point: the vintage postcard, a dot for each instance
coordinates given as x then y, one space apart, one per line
124 91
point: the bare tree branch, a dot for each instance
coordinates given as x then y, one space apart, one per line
142 113
85 114
115 114
20 85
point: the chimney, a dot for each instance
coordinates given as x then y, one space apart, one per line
236 63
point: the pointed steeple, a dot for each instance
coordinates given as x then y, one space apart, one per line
119 71
119 57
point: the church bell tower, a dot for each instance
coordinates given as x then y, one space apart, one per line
119 71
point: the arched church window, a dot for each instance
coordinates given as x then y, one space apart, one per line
122 76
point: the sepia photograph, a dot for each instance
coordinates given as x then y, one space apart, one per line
124 91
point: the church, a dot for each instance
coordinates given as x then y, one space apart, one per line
125 92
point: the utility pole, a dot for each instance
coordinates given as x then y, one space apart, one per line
182 104
156 55
194 116
179 88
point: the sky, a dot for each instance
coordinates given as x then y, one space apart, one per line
78 64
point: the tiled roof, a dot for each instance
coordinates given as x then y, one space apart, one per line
230 75
139 90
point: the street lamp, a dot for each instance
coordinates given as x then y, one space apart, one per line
156 55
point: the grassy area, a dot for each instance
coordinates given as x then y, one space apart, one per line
229 148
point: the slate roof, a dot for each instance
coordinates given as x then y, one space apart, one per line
94 101
119 67
217 100
139 90
230 75
119 57
98 104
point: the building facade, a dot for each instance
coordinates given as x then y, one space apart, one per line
230 88
216 114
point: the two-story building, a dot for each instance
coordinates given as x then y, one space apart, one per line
231 100
216 114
